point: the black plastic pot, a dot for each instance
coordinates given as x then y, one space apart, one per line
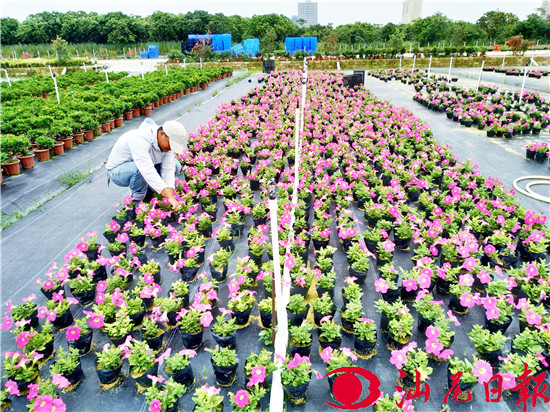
318 244
189 274
139 239
266 319
22 386
157 241
225 375
227 244
191 341
206 232
361 276
49 293
301 350
347 325
401 244
100 274
237 229
137 318
396 344
226 341
85 298
75 376
91 254
495 327
241 318
318 316
83 343
47 351
143 379
64 320
155 343
334 344
321 291
491 357
184 376
108 376
259 221
391 295
296 319
363 347
443 286
297 394
217 275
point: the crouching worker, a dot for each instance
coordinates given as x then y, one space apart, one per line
145 158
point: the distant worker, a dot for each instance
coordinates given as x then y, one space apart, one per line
145 158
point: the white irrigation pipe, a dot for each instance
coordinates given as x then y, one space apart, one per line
450 67
282 289
480 73
503 58
7 76
84 65
523 82
429 66
55 84
414 63
541 180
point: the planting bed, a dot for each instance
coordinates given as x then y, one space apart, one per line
369 174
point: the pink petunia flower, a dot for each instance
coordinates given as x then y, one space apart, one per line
381 286
206 319
241 398
398 358
483 371
155 406
72 333
433 346
60 381
326 354
532 317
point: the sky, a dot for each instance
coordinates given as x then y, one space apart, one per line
335 12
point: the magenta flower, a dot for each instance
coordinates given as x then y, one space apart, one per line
432 332
206 319
532 317
466 280
433 346
48 284
241 398
531 270
12 388
483 371
381 286
7 323
101 286
489 249
72 333
258 375
410 284
467 300
326 354
60 381
388 246
492 313
483 277
22 339
424 281
52 315
445 354
33 391
155 406
43 403
508 380
398 358
96 320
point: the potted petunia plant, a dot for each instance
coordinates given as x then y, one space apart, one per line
164 397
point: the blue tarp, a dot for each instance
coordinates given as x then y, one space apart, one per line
307 44
248 46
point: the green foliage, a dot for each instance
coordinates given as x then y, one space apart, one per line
223 327
300 335
486 341
296 304
223 356
110 357
65 362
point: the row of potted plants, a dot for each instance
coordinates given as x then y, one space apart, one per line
88 111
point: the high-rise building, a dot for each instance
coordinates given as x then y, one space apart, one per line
546 7
412 9
308 11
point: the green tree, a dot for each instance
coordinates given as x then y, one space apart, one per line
258 25
268 42
8 30
430 30
61 48
163 26
396 42
497 24
534 27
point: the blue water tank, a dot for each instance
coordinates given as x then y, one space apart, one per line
313 44
144 55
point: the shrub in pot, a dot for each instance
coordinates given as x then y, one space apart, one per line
109 364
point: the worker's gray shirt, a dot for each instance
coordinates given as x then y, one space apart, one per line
141 147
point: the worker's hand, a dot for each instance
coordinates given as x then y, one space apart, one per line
168 193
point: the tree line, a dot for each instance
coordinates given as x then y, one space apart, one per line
271 29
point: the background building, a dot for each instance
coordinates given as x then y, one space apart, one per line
308 12
546 7
412 9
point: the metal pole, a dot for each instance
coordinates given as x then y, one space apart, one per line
48 53
106 76
77 55
503 58
480 73
429 66
200 60
450 65
84 64
400 59
166 68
